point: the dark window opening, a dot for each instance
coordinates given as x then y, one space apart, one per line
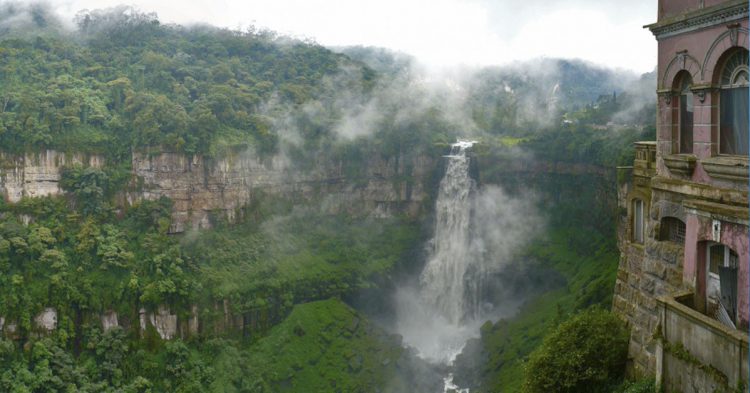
686 116
672 229
733 103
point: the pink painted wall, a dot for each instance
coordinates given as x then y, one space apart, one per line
689 269
702 62
669 8
735 236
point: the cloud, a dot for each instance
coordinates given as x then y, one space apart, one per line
16 18
439 33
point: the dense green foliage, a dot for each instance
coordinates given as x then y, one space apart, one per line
586 353
297 256
125 80
327 347
85 262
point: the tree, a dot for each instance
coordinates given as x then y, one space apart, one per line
585 354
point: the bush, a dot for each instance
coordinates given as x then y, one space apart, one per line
587 353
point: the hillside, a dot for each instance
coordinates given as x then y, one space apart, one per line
184 208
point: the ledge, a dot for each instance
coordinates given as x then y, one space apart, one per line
680 164
702 191
672 304
735 214
693 20
734 168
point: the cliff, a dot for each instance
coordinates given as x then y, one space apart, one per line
204 189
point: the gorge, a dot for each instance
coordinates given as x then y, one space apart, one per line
198 209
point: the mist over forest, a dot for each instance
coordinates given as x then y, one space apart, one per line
299 289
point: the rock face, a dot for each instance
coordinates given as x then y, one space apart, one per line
109 320
47 319
37 174
205 189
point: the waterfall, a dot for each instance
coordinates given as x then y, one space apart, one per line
451 281
477 231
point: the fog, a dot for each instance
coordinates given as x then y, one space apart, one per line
408 99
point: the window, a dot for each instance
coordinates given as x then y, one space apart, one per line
686 114
638 220
672 229
721 283
733 103
716 258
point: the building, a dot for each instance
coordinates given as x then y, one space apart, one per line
682 283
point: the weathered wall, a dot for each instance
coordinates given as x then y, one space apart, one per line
646 272
697 353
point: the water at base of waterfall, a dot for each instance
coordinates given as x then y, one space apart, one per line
450 387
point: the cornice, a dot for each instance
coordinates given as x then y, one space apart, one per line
695 20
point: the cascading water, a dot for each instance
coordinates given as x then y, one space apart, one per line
477 231
451 280
442 312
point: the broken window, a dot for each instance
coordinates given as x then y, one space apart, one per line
672 229
721 285
733 103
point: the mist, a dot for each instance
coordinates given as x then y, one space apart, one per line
476 234
27 18
388 104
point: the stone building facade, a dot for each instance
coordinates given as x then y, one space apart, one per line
682 283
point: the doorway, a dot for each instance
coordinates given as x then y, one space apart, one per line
721 283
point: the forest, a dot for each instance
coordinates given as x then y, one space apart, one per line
296 275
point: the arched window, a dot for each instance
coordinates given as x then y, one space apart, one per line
638 221
672 229
686 113
733 103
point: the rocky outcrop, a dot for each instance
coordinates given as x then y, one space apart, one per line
204 189
109 320
47 319
37 174
162 320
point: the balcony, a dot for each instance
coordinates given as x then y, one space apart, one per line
695 352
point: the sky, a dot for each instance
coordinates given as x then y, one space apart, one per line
439 33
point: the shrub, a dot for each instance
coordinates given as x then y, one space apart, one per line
587 353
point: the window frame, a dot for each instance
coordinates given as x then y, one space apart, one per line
684 98
724 86
672 229
639 228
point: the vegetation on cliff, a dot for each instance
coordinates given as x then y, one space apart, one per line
124 82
